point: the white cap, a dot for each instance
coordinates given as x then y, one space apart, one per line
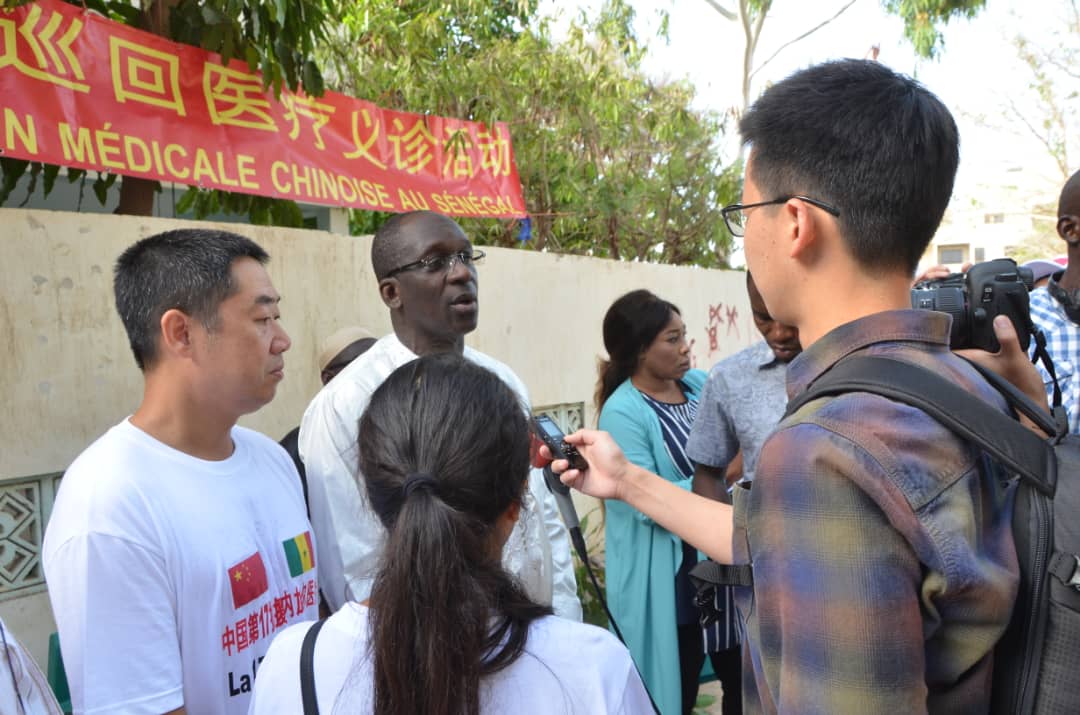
333 345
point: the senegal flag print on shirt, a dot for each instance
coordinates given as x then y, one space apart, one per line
299 554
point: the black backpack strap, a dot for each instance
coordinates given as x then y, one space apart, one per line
307 669
1055 425
1041 353
969 417
710 573
708 576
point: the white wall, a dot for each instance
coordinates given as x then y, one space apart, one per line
67 373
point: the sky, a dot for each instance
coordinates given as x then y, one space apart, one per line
976 73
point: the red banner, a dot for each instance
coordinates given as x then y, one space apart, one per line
82 91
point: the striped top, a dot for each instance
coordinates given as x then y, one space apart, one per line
675 423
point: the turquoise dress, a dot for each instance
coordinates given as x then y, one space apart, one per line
641 556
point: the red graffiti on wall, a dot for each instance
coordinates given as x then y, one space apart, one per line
716 319
721 315
732 320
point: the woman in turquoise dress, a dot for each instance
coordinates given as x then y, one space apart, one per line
647 396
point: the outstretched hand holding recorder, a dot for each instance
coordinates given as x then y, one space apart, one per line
704 523
549 433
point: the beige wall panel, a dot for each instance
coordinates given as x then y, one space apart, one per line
67 375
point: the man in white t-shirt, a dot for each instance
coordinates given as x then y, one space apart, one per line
427 278
179 544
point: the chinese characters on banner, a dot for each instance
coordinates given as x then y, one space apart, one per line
82 91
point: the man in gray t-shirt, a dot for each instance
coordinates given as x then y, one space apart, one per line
742 402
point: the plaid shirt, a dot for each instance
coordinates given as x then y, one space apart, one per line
884 564
1063 344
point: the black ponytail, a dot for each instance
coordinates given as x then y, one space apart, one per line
444 451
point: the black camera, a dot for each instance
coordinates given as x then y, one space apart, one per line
975 298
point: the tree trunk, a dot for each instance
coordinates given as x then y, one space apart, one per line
137 195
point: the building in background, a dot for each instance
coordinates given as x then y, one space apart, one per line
1007 214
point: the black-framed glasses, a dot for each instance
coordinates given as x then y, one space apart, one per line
735 218
440 264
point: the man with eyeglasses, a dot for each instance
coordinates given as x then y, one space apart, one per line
883 564
426 268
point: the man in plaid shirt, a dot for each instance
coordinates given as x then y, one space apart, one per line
1055 309
884 568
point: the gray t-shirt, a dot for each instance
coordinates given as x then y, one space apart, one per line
743 400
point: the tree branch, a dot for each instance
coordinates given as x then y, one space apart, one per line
727 14
803 36
1061 161
1068 69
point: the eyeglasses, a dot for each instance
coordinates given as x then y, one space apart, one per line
735 218
440 264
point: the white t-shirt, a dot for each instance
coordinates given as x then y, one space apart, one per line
351 535
567 667
169 575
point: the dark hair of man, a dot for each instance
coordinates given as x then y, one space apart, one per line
630 325
878 146
443 611
1069 201
187 269
388 250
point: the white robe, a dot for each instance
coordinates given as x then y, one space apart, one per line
349 535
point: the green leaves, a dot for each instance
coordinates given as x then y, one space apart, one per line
260 210
612 163
11 170
276 37
49 177
923 19
102 185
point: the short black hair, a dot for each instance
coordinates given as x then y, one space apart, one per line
1069 201
187 269
388 250
875 144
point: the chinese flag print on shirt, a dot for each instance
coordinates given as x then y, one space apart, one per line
248 580
299 554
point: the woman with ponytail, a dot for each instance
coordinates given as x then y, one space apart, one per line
447 630
647 397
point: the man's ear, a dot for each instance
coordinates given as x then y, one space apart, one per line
390 292
804 234
1068 227
176 332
